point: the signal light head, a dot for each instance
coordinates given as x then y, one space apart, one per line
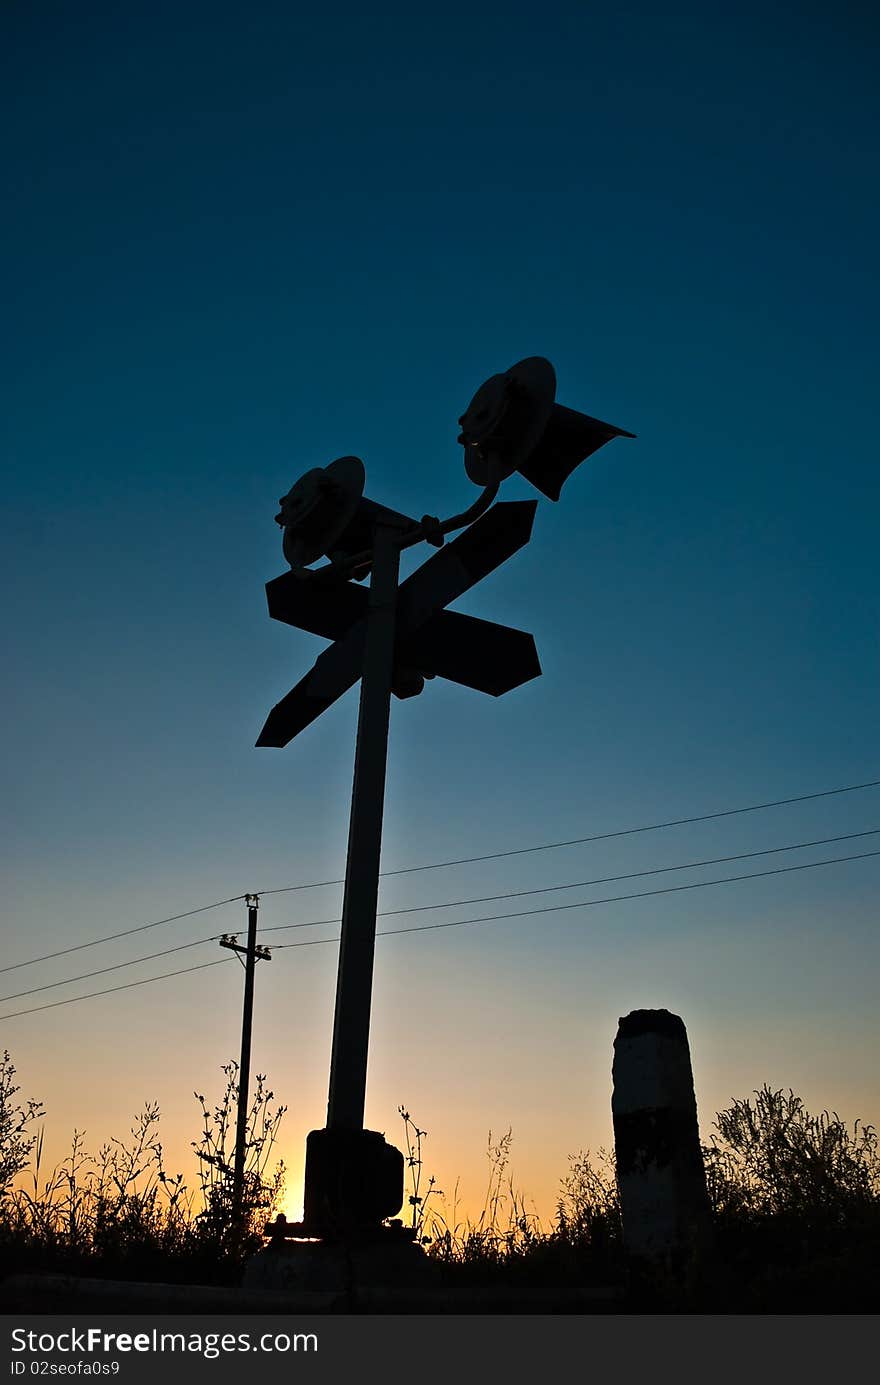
319 508
506 417
513 424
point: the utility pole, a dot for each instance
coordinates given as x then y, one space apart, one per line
252 953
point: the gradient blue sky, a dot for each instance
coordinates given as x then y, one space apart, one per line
242 240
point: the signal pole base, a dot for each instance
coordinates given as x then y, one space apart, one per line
386 1259
353 1183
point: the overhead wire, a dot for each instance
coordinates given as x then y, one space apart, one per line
117 966
442 865
456 903
588 903
53 1004
596 837
460 923
126 933
583 884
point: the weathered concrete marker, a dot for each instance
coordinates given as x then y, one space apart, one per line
660 1172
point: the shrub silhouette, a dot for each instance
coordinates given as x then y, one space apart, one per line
795 1198
771 1156
16 1143
796 1207
216 1225
119 1213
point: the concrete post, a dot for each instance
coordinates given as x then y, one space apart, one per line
660 1173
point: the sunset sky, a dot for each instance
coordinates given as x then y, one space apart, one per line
244 240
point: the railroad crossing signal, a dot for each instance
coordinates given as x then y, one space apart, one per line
392 637
429 642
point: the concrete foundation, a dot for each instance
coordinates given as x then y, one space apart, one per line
336 1267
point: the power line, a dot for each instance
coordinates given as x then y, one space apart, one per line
587 903
126 933
53 1005
583 884
442 865
460 923
597 837
102 971
456 903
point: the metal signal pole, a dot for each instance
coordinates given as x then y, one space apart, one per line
351 1027
252 953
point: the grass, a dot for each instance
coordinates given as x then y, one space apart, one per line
795 1201
506 1243
119 1213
